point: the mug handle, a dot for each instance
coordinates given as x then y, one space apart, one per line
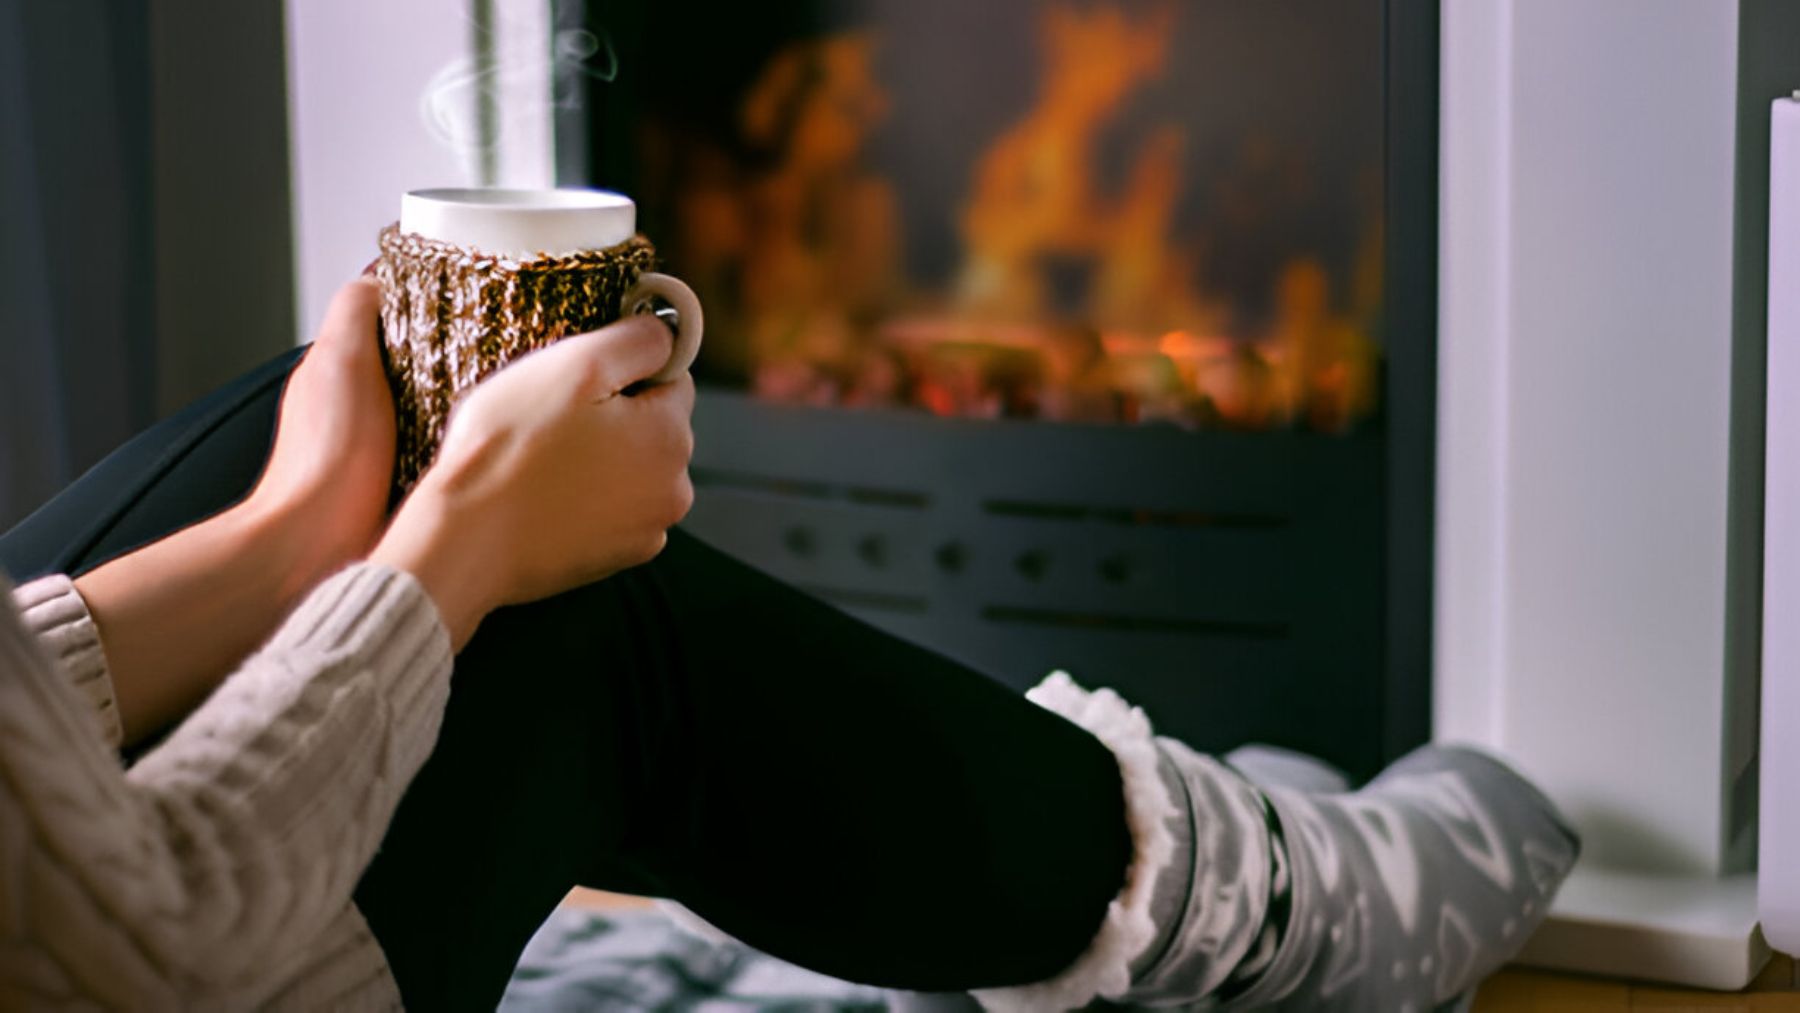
641 298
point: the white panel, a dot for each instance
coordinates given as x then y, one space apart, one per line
1586 332
1780 809
1473 286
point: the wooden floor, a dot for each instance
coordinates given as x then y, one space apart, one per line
1519 990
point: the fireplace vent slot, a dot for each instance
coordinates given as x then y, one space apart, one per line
797 488
858 598
864 495
1132 516
898 498
1245 629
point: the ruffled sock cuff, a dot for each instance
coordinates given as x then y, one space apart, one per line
1104 968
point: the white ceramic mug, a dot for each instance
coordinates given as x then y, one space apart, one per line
527 224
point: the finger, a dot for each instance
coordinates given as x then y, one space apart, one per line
619 355
349 326
671 408
682 389
674 399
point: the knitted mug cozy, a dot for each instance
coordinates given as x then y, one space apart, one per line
451 316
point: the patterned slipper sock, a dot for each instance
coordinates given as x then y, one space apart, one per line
1275 767
1408 893
1401 896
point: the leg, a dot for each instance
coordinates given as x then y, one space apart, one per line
698 731
848 801
691 729
188 466
1283 890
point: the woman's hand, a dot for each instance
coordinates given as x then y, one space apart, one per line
177 615
324 493
550 477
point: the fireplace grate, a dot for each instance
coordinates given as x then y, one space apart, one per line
1226 581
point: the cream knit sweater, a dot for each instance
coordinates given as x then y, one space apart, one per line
216 872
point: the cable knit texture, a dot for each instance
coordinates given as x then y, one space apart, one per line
217 872
56 614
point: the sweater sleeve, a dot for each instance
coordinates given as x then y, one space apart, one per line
205 874
57 616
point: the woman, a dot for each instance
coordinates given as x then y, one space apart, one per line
688 729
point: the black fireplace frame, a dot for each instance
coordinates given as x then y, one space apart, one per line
1411 209
893 551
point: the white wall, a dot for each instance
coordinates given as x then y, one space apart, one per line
1585 349
357 71
362 130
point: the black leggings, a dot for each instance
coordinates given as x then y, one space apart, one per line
690 729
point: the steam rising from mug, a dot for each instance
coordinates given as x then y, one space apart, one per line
458 102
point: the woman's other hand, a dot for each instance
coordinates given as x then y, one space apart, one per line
324 493
177 615
549 477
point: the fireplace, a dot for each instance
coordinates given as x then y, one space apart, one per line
1095 336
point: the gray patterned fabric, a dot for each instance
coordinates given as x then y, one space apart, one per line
1221 877
584 961
1405 895
1275 767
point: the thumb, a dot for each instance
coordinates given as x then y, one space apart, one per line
348 330
620 354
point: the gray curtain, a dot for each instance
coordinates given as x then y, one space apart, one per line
145 241
77 346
